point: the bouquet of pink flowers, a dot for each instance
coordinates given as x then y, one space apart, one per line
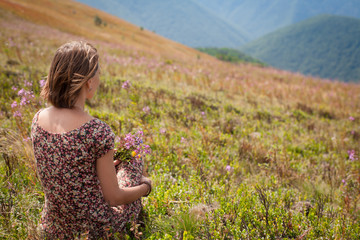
131 147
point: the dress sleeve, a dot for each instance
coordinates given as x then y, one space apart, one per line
103 139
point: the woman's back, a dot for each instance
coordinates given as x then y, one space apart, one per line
66 153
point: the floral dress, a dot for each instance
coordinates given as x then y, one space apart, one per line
66 165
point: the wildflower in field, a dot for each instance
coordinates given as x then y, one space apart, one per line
183 140
344 181
21 92
26 139
14 104
162 130
131 147
17 114
42 82
228 168
351 118
146 110
126 85
27 84
14 88
352 156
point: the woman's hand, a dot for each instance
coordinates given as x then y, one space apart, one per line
117 161
147 181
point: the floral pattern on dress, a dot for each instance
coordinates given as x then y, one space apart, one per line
66 166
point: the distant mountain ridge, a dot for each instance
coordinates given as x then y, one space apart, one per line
183 21
259 17
220 23
325 46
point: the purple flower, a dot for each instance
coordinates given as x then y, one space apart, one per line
162 130
344 181
131 146
26 139
352 155
351 118
228 168
21 92
24 101
27 84
14 88
42 82
126 85
17 114
14 104
146 110
183 140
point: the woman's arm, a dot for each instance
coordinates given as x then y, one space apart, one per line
113 194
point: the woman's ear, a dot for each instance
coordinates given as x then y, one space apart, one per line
89 85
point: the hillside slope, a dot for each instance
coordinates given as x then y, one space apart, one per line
78 19
259 17
182 21
238 151
325 46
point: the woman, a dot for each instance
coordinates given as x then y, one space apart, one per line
74 155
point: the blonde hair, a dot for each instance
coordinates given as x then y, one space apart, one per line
73 65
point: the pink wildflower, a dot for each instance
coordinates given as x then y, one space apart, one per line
24 101
228 168
14 104
21 92
27 84
146 110
126 85
17 114
344 181
351 118
162 130
352 156
42 82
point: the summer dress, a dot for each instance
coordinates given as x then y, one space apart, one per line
66 165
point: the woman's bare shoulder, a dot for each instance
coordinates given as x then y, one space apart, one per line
60 120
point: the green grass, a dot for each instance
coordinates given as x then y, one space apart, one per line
231 55
238 152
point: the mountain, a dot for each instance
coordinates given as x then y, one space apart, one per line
259 17
326 46
183 21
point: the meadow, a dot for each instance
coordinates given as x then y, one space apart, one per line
238 151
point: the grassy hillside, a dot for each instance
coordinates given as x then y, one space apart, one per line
182 21
325 46
238 151
259 17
